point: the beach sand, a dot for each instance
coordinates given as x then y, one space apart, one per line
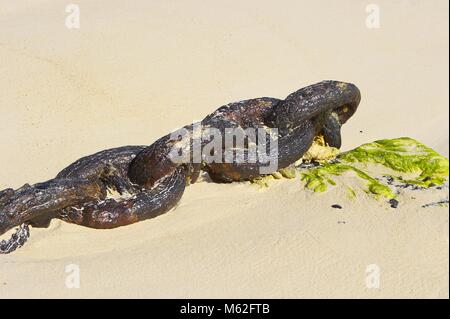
135 71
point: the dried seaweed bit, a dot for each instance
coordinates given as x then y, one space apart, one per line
319 152
263 181
393 202
17 240
308 165
441 203
412 187
277 175
389 179
288 172
337 206
351 192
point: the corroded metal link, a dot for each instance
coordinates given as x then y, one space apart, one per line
124 185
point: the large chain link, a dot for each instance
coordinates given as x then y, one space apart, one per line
124 185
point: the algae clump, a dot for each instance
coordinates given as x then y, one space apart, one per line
403 159
318 179
377 164
404 155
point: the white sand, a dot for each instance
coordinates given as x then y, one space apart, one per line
134 72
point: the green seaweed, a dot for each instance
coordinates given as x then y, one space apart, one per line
403 159
351 192
401 155
404 155
318 179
